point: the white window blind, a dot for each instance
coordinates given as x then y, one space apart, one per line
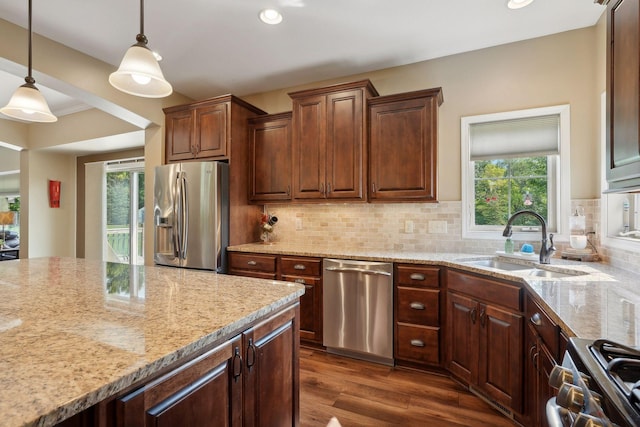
527 136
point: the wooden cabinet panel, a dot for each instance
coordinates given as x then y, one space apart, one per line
623 94
418 344
309 147
403 142
462 338
310 307
501 366
212 130
252 262
417 276
271 380
178 135
206 392
546 328
505 294
418 306
270 173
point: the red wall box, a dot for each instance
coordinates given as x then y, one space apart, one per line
54 194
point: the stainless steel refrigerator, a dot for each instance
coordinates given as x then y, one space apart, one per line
191 215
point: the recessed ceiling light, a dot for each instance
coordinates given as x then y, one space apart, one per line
270 16
517 4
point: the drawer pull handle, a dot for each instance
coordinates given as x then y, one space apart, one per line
417 306
300 281
536 319
299 267
417 276
417 343
252 262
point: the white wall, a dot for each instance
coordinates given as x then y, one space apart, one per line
49 231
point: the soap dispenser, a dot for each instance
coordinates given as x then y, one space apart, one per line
508 246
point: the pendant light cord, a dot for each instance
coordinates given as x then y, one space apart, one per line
141 38
29 79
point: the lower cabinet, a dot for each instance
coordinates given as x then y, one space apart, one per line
543 352
417 315
250 380
485 337
303 270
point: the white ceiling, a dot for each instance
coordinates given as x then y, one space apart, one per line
214 47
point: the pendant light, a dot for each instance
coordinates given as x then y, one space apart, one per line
27 103
139 73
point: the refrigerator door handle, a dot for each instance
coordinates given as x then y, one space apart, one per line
176 219
184 213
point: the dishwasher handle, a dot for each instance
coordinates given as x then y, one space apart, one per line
357 270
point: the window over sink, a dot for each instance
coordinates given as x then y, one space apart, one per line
513 161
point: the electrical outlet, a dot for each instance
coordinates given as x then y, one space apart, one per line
408 227
438 227
298 224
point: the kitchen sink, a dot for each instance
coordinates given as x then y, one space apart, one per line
548 274
498 264
523 270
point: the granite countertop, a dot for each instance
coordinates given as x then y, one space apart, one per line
74 332
601 302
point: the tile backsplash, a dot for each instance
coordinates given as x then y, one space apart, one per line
429 227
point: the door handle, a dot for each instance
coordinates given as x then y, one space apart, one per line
357 270
237 364
417 343
299 267
473 313
252 263
251 354
483 317
416 276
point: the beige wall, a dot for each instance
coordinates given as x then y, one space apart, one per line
46 231
558 69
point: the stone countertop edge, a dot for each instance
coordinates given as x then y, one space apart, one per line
69 342
556 296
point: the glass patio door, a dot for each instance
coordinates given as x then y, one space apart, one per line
125 212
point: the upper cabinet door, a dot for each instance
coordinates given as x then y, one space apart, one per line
179 135
270 158
623 94
329 141
403 142
309 147
345 145
212 130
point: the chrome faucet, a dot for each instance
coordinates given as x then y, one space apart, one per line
546 251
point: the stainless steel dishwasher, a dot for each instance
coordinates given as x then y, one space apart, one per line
358 309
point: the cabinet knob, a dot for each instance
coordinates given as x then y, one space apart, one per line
474 314
237 364
251 354
416 276
483 317
373 187
417 306
328 187
417 343
536 319
322 188
288 190
299 267
300 281
570 397
252 262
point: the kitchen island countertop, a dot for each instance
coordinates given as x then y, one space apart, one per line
75 332
602 303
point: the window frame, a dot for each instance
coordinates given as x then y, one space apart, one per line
559 196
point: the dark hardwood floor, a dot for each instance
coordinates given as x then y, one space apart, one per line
360 393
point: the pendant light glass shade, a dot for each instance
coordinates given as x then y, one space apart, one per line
27 103
139 73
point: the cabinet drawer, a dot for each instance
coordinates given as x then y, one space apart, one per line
417 344
417 276
504 294
419 306
300 266
252 262
545 327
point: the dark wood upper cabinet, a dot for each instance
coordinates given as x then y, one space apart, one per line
329 141
204 130
403 142
623 94
270 158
